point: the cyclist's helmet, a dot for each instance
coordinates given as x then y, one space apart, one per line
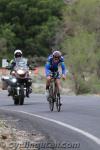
18 53
57 54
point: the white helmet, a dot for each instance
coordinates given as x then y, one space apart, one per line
57 54
18 53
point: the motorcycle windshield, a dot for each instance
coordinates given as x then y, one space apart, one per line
21 65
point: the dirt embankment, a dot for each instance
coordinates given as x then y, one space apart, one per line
14 139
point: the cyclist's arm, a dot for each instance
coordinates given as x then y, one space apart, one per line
64 70
47 69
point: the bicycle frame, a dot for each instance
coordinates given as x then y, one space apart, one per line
54 95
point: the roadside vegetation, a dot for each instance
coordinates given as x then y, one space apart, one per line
81 44
29 25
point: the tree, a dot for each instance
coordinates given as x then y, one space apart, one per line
30 25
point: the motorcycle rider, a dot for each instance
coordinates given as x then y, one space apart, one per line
18 56
52 65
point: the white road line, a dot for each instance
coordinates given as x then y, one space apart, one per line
82 132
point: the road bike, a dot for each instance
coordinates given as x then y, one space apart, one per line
54 94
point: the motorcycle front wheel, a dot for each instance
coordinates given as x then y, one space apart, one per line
16 100
21 96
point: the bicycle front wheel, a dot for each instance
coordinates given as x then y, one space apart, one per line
51 104
58 103
50 99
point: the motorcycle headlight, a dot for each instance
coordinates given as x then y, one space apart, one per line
30 72
14 80
13 73
21 72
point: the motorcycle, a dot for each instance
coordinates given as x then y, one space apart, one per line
19 83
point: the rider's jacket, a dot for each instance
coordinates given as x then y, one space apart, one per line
14 62
51 66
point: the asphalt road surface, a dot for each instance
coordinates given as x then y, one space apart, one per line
76 127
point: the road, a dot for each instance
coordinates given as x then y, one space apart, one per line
78 122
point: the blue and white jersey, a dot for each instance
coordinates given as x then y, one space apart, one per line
52 66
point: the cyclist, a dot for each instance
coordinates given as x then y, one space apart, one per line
52 65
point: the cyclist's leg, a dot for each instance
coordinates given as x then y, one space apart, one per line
48 79
58 90
58 84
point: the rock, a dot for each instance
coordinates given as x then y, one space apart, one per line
4 137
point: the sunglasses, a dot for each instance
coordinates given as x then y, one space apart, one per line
56 58
18 55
